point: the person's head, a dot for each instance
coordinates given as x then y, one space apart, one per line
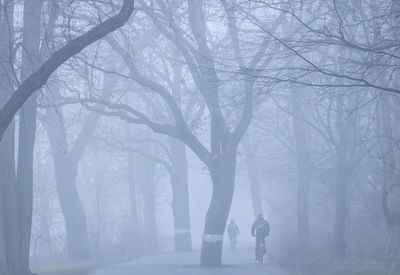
260 217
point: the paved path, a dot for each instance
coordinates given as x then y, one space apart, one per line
236 263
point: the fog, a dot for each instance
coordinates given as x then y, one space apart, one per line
195 136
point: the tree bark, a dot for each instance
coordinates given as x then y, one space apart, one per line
9 256
180 192
340 210
387 152
303 174
389 181
27 130
222 172
342 178
9 238
394 247
133 201
253 177
72 208
147 180
99 180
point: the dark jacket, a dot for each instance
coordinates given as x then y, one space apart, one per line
260 228
233 229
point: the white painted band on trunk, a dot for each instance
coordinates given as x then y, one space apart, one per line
213 238
182 231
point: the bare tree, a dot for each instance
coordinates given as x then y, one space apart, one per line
19 206
37 79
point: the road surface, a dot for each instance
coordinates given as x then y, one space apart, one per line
169 263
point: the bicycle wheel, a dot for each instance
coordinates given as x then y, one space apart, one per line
260 255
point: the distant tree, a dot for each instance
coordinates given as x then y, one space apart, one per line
16 193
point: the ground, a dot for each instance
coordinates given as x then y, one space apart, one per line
235 263
340 269
65 267
168 263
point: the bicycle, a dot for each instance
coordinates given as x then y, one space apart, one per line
260 253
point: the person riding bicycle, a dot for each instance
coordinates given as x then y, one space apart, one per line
260 230
233 231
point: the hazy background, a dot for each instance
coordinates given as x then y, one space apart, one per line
292 107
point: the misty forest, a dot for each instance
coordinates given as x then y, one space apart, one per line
194 136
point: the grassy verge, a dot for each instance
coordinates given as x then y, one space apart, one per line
79 267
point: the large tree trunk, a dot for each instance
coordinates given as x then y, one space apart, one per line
27 130
180 192
303 175
253 177
6 144
132 192
9 237
44 243
341 210
222 172
147 180
99 179
72 208
133 203
342 178
394 247
65 171
387 152
389 186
